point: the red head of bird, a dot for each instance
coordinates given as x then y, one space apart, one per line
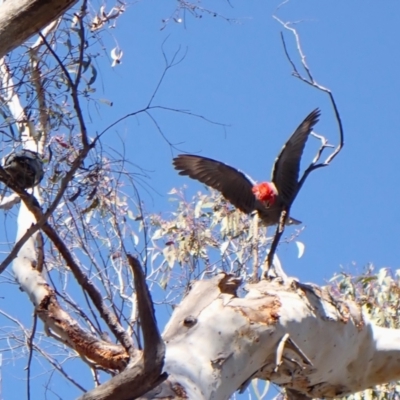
265 192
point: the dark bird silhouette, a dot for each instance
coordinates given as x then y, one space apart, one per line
25 167
268 198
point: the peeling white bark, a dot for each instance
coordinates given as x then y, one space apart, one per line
28 274
6 203
57 322
294 335
30 280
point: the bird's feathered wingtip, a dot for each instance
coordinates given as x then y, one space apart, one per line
183 162
314 116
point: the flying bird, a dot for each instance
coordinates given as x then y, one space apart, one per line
267 198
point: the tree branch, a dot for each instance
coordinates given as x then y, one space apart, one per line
315 164
154 348
147 373
275 332
20 19
94 294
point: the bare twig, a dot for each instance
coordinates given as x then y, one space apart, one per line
32 202
168 65
82 44
74 91
255 277
109 318
147 373
55 364
30 347
80 276
277 237
311 81
33 347
37 80
196 10
315 164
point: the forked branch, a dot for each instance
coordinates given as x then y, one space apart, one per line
308 78
146 374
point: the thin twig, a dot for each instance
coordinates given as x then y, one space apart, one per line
110 318
59 368
168 65
145 374
74 92
255 277
31 201
277 237
94 294
315 164
30 347
82 43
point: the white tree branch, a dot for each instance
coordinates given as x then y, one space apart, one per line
295 335
20 19
6 203
26 265
57 322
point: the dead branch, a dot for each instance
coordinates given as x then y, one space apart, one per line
154 348
94 294
315 164
255 277
73 85
34 207
37 80
147 373
277 237
31 201
309 79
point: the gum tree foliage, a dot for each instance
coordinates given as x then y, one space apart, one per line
70 254
378 294
73 264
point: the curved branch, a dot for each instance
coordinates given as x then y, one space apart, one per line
315 164
94 294
147 373
154 348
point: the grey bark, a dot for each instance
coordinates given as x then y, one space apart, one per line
20 19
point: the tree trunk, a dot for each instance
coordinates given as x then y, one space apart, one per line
295 335
20 19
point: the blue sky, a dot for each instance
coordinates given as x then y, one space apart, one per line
235 73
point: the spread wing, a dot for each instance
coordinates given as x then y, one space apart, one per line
233 184
285 174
